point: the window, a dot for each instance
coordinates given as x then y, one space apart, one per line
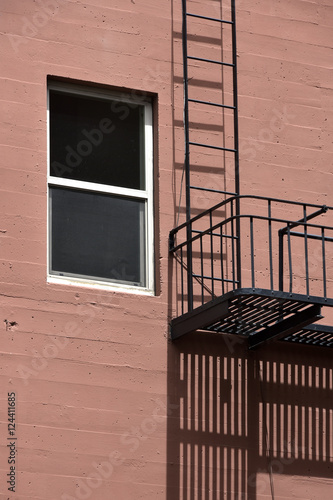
100 188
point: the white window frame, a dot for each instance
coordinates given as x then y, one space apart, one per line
146 194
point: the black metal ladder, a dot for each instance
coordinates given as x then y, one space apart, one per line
188 101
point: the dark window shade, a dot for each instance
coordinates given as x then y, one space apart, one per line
96 140
97 235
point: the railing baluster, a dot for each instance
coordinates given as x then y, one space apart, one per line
270 244
211 252
324 261
306 253
281 250
252 252
232 247
189 268
182 277
290 261
221 257
202 271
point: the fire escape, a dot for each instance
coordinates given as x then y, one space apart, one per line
256 267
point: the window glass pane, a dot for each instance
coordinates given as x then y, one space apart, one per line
97 235
96 140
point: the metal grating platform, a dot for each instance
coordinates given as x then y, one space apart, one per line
259 315
251 313
316 335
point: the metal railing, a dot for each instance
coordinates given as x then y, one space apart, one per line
254 242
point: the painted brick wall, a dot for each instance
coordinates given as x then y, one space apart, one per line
95 378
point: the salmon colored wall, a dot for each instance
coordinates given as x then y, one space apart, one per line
97 384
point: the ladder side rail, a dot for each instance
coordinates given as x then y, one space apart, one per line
236 138
187 162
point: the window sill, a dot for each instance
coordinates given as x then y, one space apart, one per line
99 285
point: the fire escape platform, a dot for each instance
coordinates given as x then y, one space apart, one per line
251 266
260 316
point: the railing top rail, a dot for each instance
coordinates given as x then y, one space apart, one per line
231 199
247 216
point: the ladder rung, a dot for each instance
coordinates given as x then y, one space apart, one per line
212 147
210 61
213 190
209 18
212 104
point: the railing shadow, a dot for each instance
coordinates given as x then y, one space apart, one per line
240 421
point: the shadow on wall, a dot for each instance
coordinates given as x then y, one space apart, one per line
247 420
241 425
